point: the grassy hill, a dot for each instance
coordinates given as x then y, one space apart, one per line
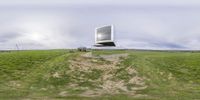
107 75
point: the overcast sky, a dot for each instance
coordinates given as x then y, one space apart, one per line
141 24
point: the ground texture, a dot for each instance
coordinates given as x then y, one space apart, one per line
104 74
99 75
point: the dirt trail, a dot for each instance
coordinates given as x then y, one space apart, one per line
105 75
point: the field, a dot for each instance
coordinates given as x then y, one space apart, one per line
99 75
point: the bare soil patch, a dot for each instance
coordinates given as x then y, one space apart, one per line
103 75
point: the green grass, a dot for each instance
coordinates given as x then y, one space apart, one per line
21 73
170 75
30 74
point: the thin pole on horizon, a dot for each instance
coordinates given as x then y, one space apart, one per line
17 47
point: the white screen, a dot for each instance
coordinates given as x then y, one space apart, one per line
104 33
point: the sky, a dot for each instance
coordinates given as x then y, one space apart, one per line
138 24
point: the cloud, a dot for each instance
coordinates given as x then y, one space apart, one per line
142 27
36 30
102 2
4 37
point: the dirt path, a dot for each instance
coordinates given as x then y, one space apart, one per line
104 75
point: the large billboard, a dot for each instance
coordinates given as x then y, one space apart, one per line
105 35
